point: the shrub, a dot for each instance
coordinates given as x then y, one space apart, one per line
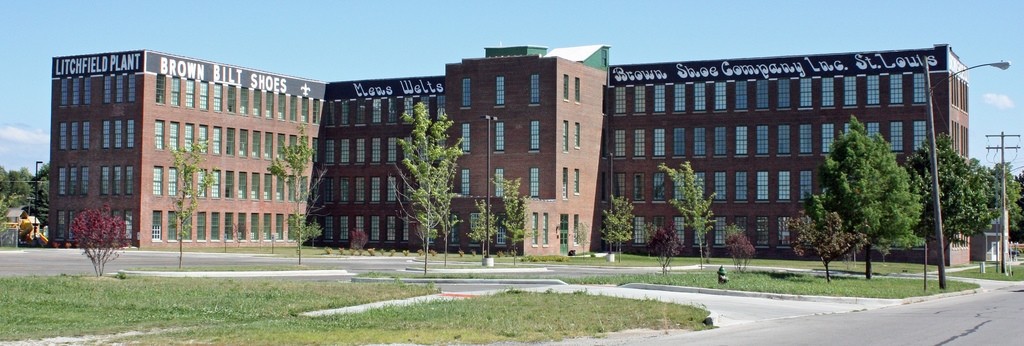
545 258
461 253
665 244
372 251
358 239
433 253
500 254
100 235
405 252
327 251
740 249
472 251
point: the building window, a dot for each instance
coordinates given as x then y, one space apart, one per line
659 98
107 90
565 136
345 150
679 98
919 134
639 99
156 233
699 142
762 186
849 91
720 141
105 144
784 230
190 93
119 91
805 138
392 149
620 143
805 184
466 92
620 100
658 186
805 92
360 150
872 128
783 140
828 92
534 182
204 96
375 115
638 187
920 92
720 96
576 139
741 140
828 135
741 186
534 135
761 135
499 179
87 90
392 193
761 230
75 87
158 135
896 136
534 88
679 142
872 90
374 189
360 187
105 180
741 95
895 89
577 89
720 186
783 185
762 94
699 97
639 230
499 90
215 185
173 136
639 143
464 178
659 142
565 182
719 230
158 181
783 93
175 91
576 181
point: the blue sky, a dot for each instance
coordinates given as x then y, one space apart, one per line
348 40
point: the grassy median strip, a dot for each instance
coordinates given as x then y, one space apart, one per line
237 268
992 273
786 283
40 307
511 316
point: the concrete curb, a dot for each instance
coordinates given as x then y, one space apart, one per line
465 281
238 274
777 296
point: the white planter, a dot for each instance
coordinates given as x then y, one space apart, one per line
610 257
488 261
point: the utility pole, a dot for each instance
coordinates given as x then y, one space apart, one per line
1004 217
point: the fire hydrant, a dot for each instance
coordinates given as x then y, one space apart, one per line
722 279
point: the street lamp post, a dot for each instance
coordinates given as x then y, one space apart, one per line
936 204
487 218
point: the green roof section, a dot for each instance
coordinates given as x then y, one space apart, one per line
493 52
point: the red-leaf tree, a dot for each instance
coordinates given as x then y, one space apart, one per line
100 236
666 245
827 239
358 239
739 247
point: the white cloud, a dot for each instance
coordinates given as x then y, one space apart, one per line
999 101
13 136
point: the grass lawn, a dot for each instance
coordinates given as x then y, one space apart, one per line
220 311
786 283
991 273
237 268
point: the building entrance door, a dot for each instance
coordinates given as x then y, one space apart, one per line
563 234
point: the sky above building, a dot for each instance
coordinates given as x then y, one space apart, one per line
350 40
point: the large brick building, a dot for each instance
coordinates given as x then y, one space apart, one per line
573 128
117 117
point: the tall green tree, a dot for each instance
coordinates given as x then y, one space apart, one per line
618 222
861 181
194 182
693 205
966 198
292 166
515 214
41 194
430 163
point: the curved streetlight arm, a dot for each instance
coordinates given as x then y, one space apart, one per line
1002 65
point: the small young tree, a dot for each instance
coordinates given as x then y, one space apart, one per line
581 235
431 165
618 222
479 230
693 205
357 239
738 244
515 214
828 239
194 182
292 166
666 245
100 236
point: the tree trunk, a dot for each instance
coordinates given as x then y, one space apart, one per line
828 274
867 261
